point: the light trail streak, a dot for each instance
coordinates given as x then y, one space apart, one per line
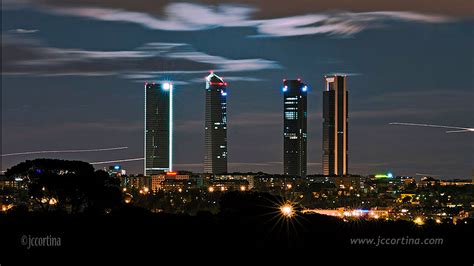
63 151
118 161
458 129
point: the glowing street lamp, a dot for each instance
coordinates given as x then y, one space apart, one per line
419 221
287 210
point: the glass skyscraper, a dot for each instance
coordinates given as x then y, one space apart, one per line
215 158
335 126
294 127
158 128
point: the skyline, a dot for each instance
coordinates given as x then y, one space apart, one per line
97 93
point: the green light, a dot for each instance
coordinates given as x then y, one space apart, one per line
383 176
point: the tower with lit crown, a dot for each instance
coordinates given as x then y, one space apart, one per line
215 158
294 127
158 128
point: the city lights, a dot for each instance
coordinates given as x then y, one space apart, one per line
419 221
53 201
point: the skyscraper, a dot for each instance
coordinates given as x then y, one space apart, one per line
335 114
158 128
294 128
215 159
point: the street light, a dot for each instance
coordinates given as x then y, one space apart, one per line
419 221
287 210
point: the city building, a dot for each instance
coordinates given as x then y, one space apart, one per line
294 127
335 114
456 182
158 128
215 158
8 182
249 177
228 185
177 176
115 170
156 182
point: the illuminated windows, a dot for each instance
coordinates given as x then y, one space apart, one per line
291 115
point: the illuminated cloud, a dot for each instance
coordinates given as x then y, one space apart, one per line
341 23
231 78
27 56
23 31
224 64
192 17
178 16
264 8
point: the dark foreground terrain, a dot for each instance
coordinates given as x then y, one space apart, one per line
134 230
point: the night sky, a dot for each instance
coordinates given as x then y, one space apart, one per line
73 78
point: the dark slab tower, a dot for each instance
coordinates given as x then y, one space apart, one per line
294 127
158 128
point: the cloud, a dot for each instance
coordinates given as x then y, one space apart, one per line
247 79
265 9
192 17
224 64
349 74
27 56
179 16
230 78
340 23
23 31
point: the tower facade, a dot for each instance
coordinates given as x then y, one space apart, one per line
335 126
294 127
158 128
215 158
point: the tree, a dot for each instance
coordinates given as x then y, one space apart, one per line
71 186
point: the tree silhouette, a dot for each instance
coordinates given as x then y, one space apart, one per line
70 186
